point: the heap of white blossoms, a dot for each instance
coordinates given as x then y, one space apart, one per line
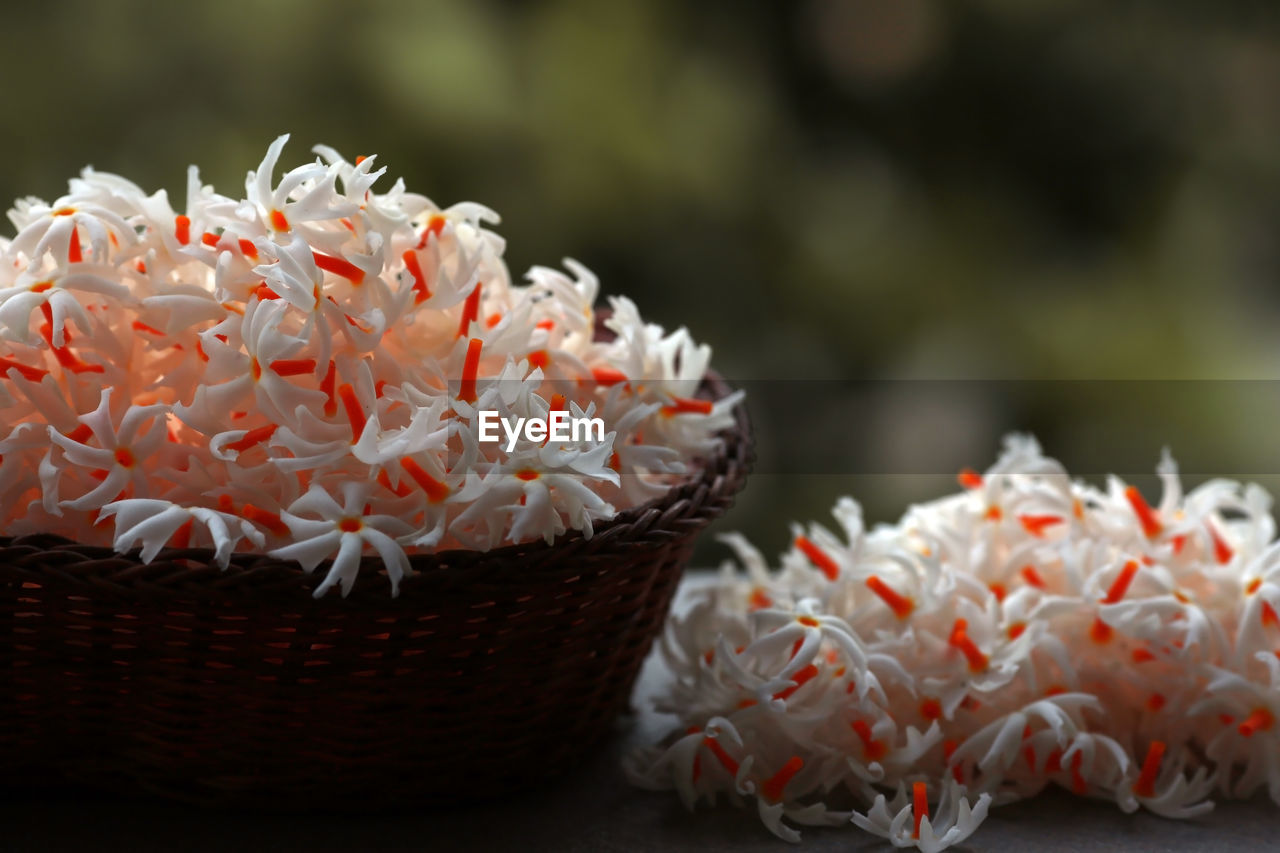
1030 631
300 371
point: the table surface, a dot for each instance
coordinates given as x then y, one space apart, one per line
592 810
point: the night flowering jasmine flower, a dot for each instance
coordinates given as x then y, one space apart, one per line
771 806
638 459
1249 735
304 195
803 631
346 528
565 318
534 495
1163 788
191 375
251 368
716 743
1000 742
53 296
427 430
154 522
296 277
38 390
646 352
907 822
1028 631
57 235
140 433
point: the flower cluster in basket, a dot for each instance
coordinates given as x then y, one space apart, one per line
1030 631
300 372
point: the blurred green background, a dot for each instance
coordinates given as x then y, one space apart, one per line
821 189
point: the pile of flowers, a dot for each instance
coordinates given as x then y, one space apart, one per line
1029 631
300 371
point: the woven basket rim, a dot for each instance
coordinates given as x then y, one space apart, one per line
734 457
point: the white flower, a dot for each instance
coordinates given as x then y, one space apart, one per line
1026 632
121 452
154 522
316 332
255 371
56 296
348 529
952 822
304 195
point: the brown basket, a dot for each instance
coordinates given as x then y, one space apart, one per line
489 671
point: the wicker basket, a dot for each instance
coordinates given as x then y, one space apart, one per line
489 671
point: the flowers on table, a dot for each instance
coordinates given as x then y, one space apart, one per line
301 371
1029 631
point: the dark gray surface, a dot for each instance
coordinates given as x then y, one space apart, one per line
592 810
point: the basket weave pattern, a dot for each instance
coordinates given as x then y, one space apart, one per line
490 670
